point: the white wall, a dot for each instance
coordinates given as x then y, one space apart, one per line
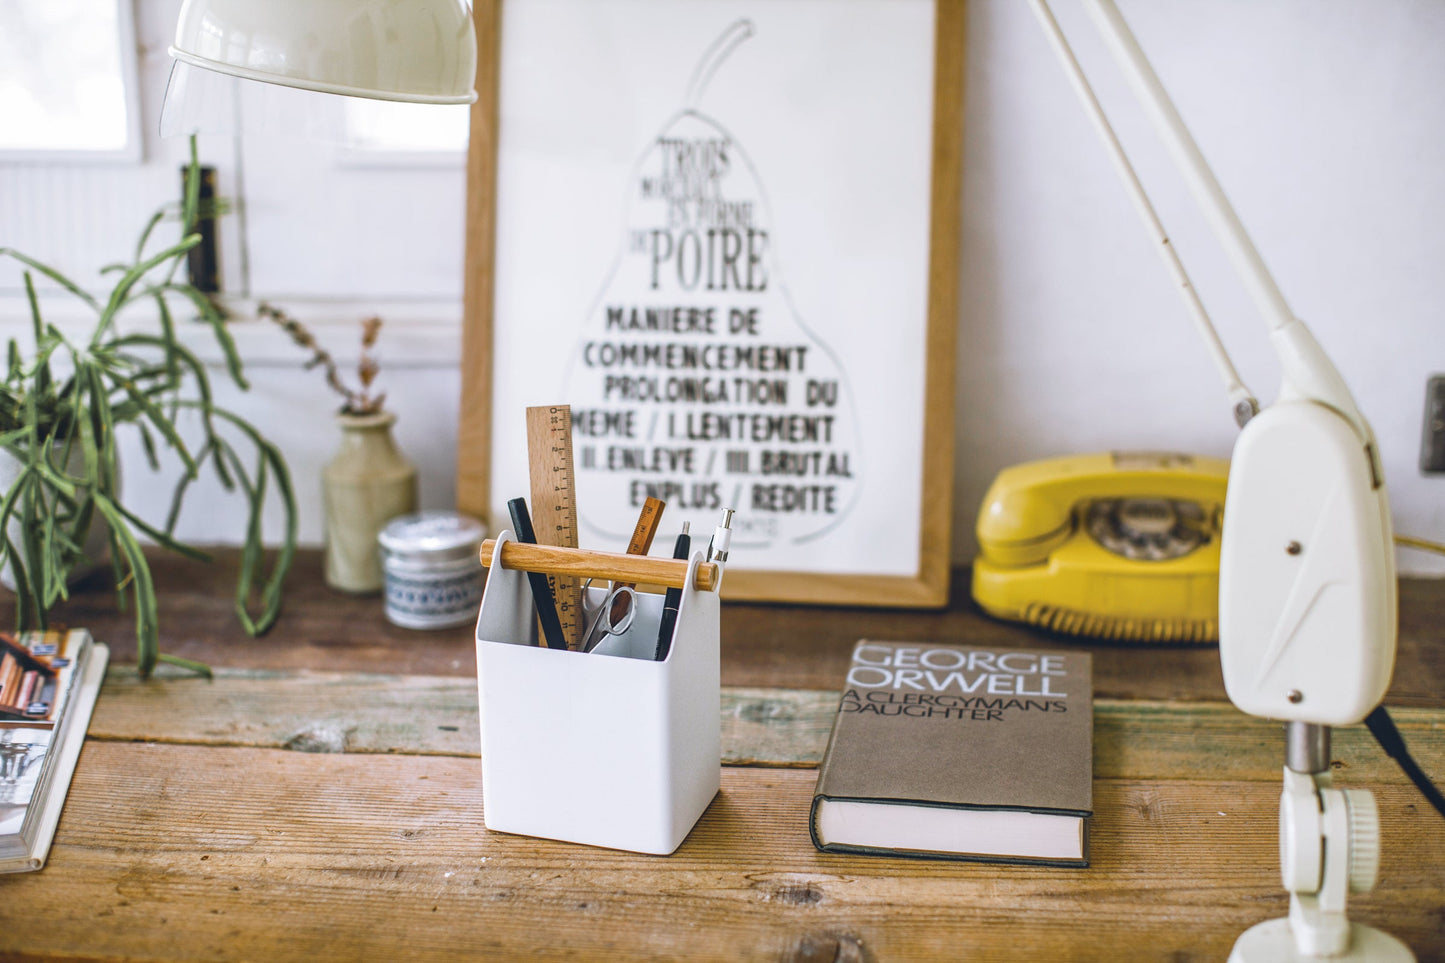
1320 118
1323 121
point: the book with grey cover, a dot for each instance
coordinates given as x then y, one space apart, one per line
954 752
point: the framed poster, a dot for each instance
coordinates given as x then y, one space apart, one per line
725 233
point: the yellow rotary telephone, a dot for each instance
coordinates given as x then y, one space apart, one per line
1114 545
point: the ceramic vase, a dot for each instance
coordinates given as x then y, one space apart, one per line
367 483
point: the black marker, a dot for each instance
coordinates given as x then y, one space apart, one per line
672 599
541 588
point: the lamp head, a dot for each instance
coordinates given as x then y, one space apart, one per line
417 51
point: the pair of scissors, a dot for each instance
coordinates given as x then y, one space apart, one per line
611 616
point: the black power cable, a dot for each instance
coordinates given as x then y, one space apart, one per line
1382 727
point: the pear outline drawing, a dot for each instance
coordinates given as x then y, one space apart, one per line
707 66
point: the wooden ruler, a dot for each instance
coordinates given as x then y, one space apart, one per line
554 504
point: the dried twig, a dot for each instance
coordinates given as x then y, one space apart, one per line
360 402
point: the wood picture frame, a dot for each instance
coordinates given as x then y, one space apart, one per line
924 584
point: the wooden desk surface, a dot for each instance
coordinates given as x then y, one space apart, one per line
196 826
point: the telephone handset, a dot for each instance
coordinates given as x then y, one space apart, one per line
1121 545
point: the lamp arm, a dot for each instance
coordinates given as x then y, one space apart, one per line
1308 372
1241 399
1202 183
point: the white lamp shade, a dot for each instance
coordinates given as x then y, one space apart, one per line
418 51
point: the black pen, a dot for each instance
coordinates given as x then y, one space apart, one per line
541 588
672 599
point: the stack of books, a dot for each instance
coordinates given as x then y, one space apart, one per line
48 685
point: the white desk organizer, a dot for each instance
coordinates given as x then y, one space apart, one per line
609 747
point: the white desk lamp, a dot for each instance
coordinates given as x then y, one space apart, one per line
1307 601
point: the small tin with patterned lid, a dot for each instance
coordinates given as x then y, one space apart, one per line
433 574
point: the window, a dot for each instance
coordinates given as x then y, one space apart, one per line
68 81
383 134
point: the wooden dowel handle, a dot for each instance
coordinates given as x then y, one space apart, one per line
613 566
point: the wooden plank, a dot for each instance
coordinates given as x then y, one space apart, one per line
308 711
330 712
183 851
1132 740
803 647
763 646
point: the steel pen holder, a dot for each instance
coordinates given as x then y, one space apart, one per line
610 747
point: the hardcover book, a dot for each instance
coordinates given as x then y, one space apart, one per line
954 752
48 686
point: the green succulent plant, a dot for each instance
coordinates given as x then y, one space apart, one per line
74 395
